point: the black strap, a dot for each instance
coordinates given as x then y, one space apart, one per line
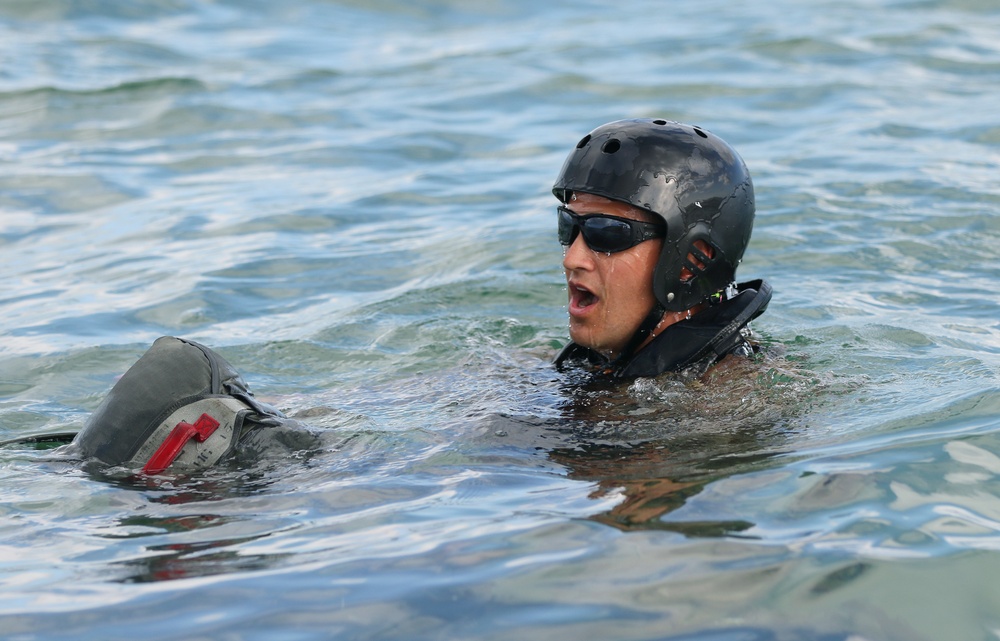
51 437
756 307
726 339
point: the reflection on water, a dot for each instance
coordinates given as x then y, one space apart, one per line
176 559
650 444
643 447
645 495
350 201
654 443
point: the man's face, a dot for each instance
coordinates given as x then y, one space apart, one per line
609 294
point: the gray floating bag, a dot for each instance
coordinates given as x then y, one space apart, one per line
180 406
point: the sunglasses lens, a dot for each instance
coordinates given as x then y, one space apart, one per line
567 228
607 234
602 233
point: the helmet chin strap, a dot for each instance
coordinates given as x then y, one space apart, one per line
642 333
656 316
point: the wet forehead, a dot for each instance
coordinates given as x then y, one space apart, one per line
583 203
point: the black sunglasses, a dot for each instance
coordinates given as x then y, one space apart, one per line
605 233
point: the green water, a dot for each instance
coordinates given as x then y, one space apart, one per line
350 201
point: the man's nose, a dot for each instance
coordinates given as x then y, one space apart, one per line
578 255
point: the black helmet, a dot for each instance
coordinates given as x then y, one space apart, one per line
689 177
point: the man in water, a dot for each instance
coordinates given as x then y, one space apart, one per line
655 217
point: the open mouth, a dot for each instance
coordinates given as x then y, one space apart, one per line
581 298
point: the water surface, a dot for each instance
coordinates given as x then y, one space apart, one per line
350 201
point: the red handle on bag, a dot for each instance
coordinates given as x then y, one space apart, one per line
177 439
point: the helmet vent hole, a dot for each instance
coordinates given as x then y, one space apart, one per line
583 142
700 133
659 122
611 146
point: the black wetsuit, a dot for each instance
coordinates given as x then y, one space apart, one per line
700 340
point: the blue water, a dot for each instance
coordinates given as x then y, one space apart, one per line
350 201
